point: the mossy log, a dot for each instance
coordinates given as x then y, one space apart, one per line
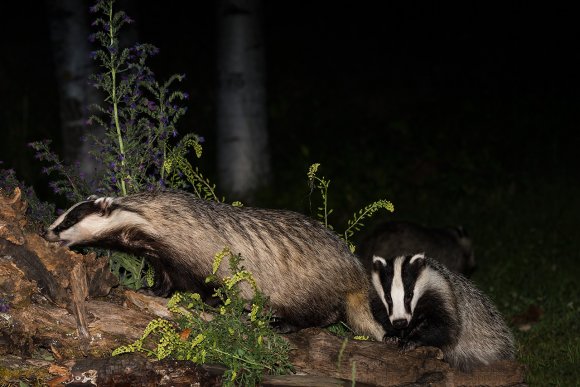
62 314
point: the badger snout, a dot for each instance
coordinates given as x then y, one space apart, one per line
400 323
50 236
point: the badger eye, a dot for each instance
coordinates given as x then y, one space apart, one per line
408 296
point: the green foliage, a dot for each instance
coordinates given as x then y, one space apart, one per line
355 223
242 340
139 113
71 183
133 272
322 185
139 116
177 167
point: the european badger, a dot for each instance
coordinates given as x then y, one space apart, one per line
420 302
451 246
308 273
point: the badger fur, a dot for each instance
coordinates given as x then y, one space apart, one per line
308 273
420 302
451 246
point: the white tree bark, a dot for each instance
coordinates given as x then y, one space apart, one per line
69 30
242 141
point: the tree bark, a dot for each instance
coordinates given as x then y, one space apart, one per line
69 32
243 155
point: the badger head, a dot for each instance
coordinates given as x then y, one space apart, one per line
83 222
400 283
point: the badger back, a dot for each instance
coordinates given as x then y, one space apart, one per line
295 260
450 246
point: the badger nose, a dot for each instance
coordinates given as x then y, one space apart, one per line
400 324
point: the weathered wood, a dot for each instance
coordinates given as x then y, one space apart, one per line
318 352
80 293
34 270
155 305
135 370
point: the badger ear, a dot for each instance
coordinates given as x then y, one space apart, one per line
418 259
92 197
379 260
105 205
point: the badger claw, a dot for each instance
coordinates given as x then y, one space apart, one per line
391 340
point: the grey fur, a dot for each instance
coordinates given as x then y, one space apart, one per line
451 246
308 273
454 315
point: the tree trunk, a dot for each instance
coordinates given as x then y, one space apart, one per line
69 31
243 155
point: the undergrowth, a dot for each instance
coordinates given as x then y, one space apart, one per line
237 333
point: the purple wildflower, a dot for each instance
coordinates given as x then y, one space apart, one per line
4 307
93 9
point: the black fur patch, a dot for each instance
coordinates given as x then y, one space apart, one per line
76 214
385 273
409 273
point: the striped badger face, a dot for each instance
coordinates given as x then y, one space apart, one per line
84 222
400 283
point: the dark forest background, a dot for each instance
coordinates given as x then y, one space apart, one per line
396 96
457 113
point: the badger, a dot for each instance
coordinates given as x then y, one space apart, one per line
420 302
308 272
450 246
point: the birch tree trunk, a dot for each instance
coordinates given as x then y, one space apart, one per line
69 31
242 139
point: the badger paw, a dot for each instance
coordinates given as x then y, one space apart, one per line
409 346
394 340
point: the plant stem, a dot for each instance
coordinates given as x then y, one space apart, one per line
115 103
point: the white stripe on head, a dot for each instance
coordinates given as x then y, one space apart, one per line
376 279
398 292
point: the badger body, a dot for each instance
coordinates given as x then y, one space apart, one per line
308 273
449 245
420 302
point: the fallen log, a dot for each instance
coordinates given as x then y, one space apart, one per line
65 306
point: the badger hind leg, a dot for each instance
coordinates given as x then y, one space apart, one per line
359 316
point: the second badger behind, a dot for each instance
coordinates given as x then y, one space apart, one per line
421 302
308 273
